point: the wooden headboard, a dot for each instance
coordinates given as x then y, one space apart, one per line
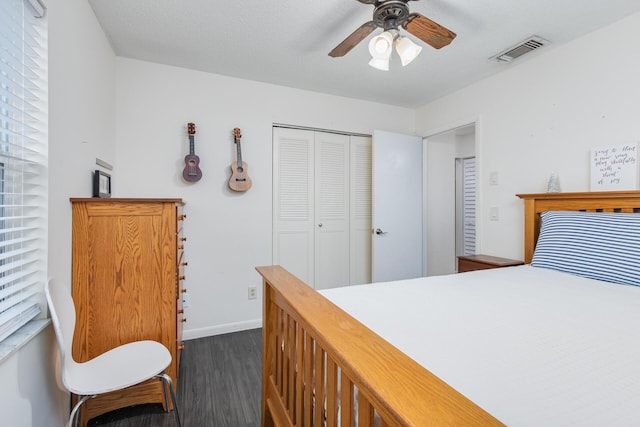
597 201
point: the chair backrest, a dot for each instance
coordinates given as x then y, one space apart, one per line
63 316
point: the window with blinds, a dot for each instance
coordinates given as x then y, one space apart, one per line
23 162
469 205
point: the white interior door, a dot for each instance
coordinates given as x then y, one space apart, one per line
397 248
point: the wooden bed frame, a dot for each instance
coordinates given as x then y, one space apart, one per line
321 367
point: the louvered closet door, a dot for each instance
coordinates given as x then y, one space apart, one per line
331 210
322 206
293 196
360 211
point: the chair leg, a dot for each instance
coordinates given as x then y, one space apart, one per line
166 382
75 412
166 394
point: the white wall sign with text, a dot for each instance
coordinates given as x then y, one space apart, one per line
614 167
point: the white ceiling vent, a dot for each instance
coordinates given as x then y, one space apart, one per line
522 48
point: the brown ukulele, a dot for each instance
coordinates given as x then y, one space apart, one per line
192 172
239 180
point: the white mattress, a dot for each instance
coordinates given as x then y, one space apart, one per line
532 346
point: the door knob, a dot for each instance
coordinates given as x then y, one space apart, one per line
320 225
380 232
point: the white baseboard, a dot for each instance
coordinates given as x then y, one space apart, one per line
191 334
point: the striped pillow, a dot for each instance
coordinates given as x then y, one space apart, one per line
601 246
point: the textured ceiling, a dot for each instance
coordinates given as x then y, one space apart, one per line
285 42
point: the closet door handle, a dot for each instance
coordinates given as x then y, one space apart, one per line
379 232
320 225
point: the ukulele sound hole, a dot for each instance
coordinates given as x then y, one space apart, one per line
240 169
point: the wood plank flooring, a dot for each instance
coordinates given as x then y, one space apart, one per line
219 386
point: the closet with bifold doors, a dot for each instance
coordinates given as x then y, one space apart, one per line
322 206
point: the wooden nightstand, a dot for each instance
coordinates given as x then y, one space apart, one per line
483 262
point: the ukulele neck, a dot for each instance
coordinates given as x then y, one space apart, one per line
238 152
192 145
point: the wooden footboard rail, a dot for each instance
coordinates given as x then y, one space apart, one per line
321 367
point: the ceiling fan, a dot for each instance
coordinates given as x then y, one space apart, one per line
390 15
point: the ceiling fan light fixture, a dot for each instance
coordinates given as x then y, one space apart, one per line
380 48
380 63
381 45
407 50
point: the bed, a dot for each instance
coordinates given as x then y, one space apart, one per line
343 362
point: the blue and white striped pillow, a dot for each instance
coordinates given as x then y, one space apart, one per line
601 246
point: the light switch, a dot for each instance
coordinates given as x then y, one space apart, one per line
494 214
493 178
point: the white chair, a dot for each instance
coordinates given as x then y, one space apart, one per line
121 367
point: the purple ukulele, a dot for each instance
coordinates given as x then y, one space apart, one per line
192 172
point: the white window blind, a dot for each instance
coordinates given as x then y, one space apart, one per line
469 205
23 162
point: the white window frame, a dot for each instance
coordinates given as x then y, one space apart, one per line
24 172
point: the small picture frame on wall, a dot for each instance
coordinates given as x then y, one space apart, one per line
101 184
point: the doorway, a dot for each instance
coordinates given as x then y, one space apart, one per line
450 222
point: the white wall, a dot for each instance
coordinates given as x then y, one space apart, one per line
228 233
81 108
440 206
442 151
543 115
81 117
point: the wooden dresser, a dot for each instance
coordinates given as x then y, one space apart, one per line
127 281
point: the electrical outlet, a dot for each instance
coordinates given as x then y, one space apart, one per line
253 292
185 300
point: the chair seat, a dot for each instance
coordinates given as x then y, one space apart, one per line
121 367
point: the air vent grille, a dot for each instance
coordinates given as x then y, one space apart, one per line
522 48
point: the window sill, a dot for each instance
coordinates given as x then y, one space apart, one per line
22 336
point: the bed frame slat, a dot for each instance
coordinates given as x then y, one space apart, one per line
346 401
365 411
318 385
291 348
308 380
332 393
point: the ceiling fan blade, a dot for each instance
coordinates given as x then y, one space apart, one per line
428 31
367 1
350 42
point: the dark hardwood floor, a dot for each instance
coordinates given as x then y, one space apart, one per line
219 386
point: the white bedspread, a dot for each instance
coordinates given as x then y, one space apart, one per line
532 346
